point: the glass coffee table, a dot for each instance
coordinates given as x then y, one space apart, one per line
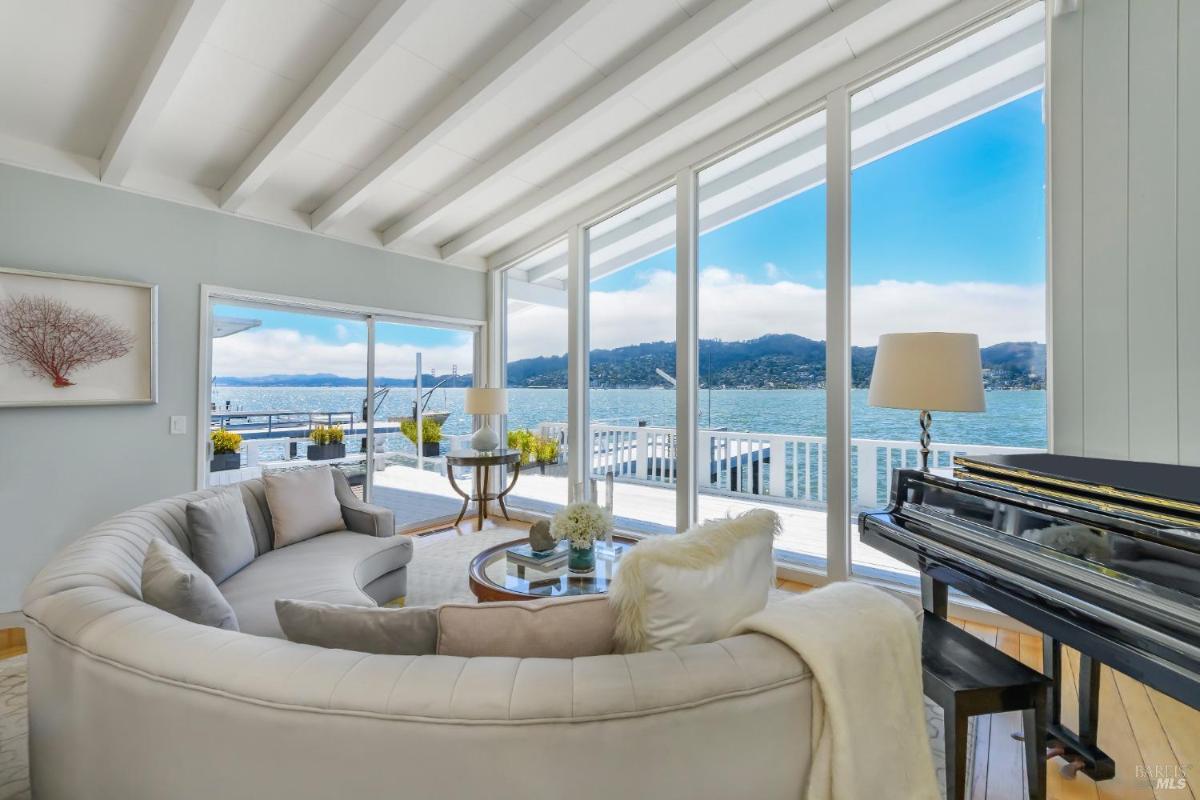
493 576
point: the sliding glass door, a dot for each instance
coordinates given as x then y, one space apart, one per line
421 373
289 390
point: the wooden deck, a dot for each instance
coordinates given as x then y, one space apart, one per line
417 496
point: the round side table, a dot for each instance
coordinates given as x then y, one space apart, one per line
482 461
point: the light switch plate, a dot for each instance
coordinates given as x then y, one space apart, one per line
178 425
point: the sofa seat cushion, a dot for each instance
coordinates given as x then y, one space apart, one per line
331 568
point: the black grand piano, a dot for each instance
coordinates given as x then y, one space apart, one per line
1100 555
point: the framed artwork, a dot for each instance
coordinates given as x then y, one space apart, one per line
70 340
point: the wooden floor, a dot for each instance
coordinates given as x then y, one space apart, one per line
1149 735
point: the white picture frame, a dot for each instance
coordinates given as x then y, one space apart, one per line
122 314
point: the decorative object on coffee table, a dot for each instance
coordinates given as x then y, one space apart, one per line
540 538
328 442
485 403
226 451
494 574
581 524
70 340
482 463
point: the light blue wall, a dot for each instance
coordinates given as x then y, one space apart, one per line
65 469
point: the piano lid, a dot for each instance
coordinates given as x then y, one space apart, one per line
1140 484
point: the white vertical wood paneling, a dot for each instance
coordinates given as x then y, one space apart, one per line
687 355
837 327
1105 228
1064 88
1125 243
1153 361
1188 277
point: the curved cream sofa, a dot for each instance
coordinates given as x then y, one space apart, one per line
127 701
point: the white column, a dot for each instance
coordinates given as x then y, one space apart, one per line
687 228
369 421
420 420
837 327
579 444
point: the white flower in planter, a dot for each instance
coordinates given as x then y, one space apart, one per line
581 524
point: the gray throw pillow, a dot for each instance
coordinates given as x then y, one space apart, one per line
219 530
173 583
303 504
386 631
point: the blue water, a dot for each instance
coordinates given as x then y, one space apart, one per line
1013 418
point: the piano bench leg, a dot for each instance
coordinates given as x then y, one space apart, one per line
1035 747
957 742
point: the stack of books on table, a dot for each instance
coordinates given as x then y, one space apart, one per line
525 556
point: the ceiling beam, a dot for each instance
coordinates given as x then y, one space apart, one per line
911 43
545 33
374 36
697 103
536 293
181 37
693 33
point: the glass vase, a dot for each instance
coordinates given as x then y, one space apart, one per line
581 559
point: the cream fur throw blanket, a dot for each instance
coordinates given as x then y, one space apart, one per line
868 721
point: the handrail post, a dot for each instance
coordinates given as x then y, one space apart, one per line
641 453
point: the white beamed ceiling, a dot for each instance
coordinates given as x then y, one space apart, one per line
68 68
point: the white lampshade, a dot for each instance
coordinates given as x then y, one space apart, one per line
486 401
928 372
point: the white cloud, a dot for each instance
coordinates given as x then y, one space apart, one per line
341 331
733 309
773 271
285 351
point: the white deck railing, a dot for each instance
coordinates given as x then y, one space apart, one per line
787 468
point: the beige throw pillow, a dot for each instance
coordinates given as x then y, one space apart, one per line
694 588
303 504
556 627
173 583
388 631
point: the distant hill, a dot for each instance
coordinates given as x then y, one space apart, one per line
326 379
777 361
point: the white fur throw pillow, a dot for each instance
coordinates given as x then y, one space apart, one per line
694 587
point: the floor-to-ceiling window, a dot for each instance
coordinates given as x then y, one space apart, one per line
631 335
947 234
761 326
535 331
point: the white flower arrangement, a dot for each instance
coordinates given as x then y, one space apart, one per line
581 524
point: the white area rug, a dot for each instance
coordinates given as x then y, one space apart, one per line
437 574
14 730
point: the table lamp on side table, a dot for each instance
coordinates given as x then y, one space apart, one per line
486 402
927 372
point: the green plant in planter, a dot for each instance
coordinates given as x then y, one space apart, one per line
547 450
431 431
524 441
224 441
327 434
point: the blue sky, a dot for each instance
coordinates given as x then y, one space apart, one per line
966 204
955 222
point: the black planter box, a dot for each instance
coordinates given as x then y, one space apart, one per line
324 452
431 449
223 461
